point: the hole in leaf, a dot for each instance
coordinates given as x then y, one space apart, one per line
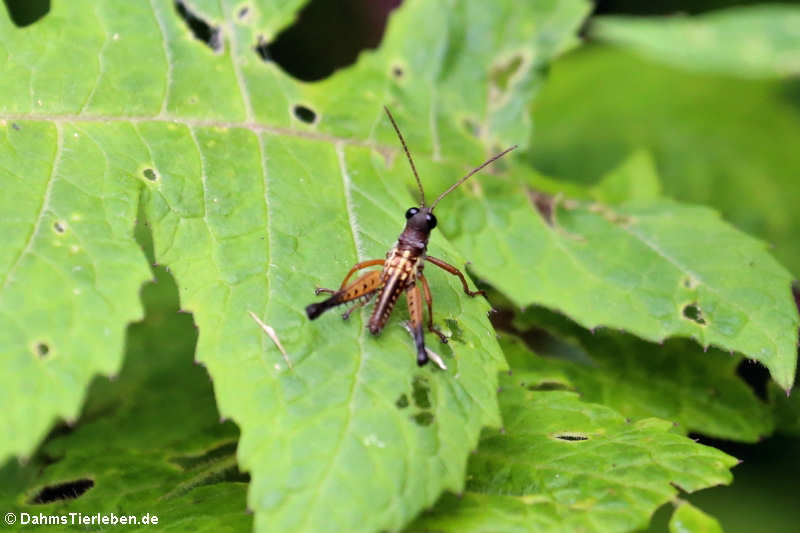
548 386
243 12
571 436
501 74
421 392
59 227
692 312
15 126
327 36
544 204
150 174
423 419
402 401
472 127
201 29
63 491
690 283
25 12
42 349
457 333
397 71
304 114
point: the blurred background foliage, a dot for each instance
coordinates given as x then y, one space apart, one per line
720 140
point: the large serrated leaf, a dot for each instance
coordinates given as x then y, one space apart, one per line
251 208
332 420
746 40
655 269
715 141
565 465
70 274
677 381
149 443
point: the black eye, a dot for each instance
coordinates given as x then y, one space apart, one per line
431 220
411 212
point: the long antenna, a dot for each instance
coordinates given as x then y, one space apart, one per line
473 171
408 155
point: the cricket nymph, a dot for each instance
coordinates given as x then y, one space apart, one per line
401 270
404 263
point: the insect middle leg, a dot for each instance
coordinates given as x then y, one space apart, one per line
364 301
454 271
426 293
364 286
356 267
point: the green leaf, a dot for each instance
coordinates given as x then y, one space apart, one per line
786 410
636 180
655 269
70 274
759 40
150 441
698 391
689 519
252 208
565 465
457 75
716 141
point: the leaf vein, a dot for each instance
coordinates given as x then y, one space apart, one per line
43 207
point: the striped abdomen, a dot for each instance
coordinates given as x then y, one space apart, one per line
399 271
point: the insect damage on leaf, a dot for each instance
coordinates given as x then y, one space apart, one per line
545 205
41 349
693 312
62 491
304 114
570 436
201 29
150 174
503 75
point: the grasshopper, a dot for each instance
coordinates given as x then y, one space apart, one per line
401 270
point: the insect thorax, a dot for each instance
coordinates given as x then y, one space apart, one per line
404 262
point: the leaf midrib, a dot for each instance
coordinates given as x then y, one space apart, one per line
254 126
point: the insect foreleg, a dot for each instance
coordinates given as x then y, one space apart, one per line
454 271
426 293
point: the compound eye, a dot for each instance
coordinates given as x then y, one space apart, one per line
431 220
411 212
